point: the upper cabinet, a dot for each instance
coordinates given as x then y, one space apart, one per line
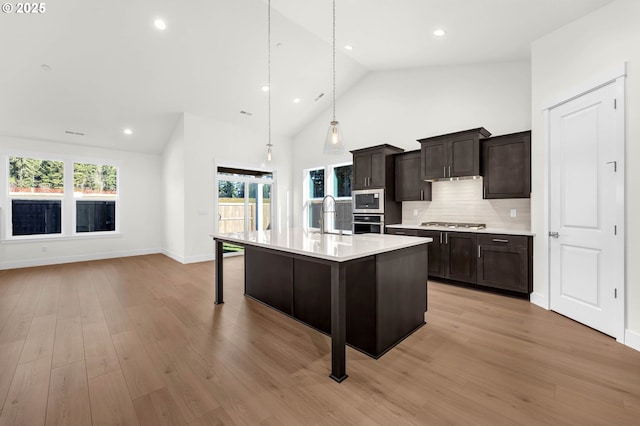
506 166
374 167
409 184
452 155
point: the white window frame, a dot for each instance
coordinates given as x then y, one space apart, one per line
329 184
68 198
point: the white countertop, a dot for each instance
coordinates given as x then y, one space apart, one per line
337 248
480 231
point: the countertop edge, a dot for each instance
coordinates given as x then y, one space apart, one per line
477 231
226 238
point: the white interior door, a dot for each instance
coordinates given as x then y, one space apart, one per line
587 255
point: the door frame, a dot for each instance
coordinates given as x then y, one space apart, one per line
272 182
615 75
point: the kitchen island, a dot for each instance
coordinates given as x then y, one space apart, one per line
365 290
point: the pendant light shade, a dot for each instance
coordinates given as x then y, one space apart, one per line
269 144
334 143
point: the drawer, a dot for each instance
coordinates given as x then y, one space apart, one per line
499 239
402 231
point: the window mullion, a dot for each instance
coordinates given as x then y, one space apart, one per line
68 208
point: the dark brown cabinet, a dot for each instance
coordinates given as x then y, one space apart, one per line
452 255
374 167
506 166
409 183
452 155
505 262
436 266
497 261
459 256
402 231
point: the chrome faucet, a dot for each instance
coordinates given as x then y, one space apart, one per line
322 212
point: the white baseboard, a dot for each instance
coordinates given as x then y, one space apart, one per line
173 256
77 258
632 339
540 300
201 258
190 259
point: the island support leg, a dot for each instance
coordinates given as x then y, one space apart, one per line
338 323
219 281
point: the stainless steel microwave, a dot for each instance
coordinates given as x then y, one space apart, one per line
368 201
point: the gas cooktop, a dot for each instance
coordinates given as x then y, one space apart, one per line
454 225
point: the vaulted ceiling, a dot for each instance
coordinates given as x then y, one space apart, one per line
96 67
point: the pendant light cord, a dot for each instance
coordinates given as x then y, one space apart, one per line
334 60
269 68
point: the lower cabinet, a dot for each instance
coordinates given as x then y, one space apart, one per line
504 262
386 294
452 255
436 265
498 261
460 256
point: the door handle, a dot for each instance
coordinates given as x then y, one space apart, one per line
615 165
554 235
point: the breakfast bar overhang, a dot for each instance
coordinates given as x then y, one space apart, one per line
367 290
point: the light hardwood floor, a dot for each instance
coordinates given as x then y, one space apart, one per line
139 341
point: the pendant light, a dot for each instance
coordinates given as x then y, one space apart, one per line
269 144
334 144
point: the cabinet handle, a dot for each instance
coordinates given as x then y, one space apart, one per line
446 238
498 240
422 195
479 251
441 238
449 171
484 192
399 233
444 171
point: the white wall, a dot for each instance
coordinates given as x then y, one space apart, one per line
173 183
140 208
562 61
399 107
204 144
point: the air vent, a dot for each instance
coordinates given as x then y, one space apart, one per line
246 113
319 96
69 132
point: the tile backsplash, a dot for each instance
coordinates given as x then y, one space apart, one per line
461 201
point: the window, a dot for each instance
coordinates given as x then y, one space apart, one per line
60 198
36 190
95 188
337 179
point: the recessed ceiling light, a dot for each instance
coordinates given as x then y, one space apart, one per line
265 88
296 100
348 47
439 32
160 24
128 131
45 67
